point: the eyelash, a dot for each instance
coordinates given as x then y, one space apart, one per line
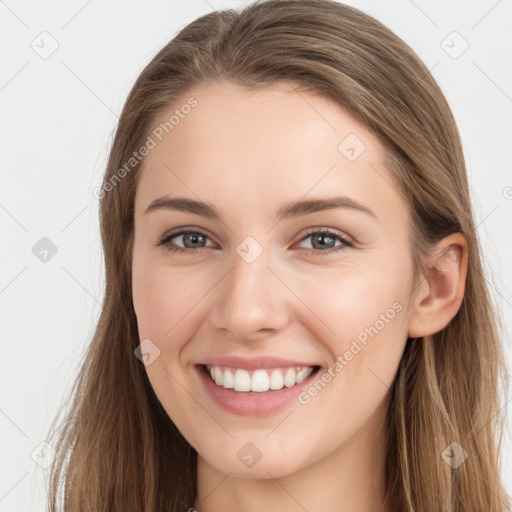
165 241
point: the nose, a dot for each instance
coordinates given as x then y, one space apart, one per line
251 300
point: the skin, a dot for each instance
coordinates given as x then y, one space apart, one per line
249 154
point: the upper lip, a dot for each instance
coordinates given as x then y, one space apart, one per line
254 363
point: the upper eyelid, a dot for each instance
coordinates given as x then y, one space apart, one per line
184 231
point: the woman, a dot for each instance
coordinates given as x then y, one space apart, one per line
329 343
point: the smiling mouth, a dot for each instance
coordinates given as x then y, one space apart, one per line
257 381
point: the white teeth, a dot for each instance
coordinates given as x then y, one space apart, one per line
218 376
260 381
242 380
229 379
276 380
289 378
302 374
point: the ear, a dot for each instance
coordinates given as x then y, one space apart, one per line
440 294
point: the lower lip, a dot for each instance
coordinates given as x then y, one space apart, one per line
252 404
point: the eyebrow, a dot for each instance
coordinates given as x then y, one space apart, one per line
294 209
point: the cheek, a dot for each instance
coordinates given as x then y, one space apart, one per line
153 299
349 303
362 317
163 299
364 327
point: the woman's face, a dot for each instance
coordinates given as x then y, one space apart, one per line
261 289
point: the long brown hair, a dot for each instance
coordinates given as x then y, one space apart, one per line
117 448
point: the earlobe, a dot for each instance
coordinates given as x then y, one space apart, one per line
442 291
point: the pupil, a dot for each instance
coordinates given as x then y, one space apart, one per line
193 237
323 237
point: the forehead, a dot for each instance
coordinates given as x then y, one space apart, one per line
274 144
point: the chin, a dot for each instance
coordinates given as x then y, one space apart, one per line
247 457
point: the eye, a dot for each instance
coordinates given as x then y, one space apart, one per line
188 236
322 239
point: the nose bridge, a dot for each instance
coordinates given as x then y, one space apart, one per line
249 272
251 297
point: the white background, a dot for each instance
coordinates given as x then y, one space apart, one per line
57 120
